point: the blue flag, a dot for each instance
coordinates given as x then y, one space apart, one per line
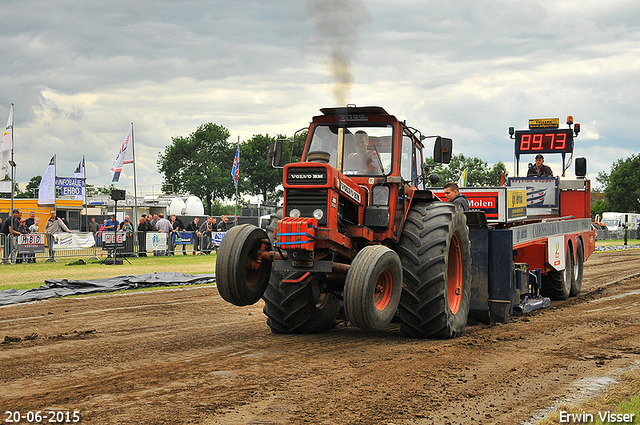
235 170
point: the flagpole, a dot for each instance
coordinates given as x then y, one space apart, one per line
12 163
84 197
235 212
135 183
55 175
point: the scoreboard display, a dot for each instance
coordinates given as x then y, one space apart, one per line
556 140
545 136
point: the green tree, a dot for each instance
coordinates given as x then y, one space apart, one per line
598 208
257 178
33 186
478 172
622 191
200 164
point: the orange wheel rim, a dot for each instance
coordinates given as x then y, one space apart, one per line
252 267
384 289
454 275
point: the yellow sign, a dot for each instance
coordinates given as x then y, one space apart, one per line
517 198
516 203
544 123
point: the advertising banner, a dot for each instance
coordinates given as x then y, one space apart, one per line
70 186
217 238
73 241
156 241
183 238
32 242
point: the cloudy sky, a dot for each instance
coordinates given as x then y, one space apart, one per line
79 72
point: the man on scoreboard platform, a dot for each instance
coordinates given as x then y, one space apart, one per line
539 169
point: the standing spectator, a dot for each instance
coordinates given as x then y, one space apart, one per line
7 231
178 227
23 230
54 225
206 230
127 228
111 225
224 223
31 220
154 221
164 226
150 226
93 227
195 231
142 236
100 233
15 231
34 228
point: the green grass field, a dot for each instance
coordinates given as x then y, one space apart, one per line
26 276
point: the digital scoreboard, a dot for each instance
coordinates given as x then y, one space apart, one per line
558 140
544 136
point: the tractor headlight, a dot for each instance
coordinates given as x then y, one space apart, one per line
294 213
318 214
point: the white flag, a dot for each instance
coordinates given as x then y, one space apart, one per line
125 156
5 147
80 174
47 191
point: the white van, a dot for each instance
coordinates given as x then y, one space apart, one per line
616 221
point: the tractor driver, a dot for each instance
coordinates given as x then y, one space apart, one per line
362 159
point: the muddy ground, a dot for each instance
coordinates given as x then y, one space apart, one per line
186 356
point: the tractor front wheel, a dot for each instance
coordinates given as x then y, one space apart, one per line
241 275
373 287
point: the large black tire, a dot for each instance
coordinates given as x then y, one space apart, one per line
298 308
372 288
557 285
240 278
436 258
578 270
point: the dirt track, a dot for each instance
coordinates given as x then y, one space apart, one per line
186 356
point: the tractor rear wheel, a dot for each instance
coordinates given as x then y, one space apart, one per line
578 270
373 287
299 308
436 259
241 277
557 285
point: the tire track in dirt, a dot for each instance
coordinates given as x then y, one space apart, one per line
187 356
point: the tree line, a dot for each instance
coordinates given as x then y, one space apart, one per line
200 164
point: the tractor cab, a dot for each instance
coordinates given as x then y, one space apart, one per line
371 165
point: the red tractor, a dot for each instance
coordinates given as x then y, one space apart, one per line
359 226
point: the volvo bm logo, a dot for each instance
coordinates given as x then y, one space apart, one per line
306 176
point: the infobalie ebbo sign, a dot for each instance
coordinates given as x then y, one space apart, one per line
70 186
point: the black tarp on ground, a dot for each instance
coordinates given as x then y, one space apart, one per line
62 287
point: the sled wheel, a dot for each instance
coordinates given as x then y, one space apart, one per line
578 270
436 258
557 285
241 276
372 288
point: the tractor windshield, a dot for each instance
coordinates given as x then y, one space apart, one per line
365 150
